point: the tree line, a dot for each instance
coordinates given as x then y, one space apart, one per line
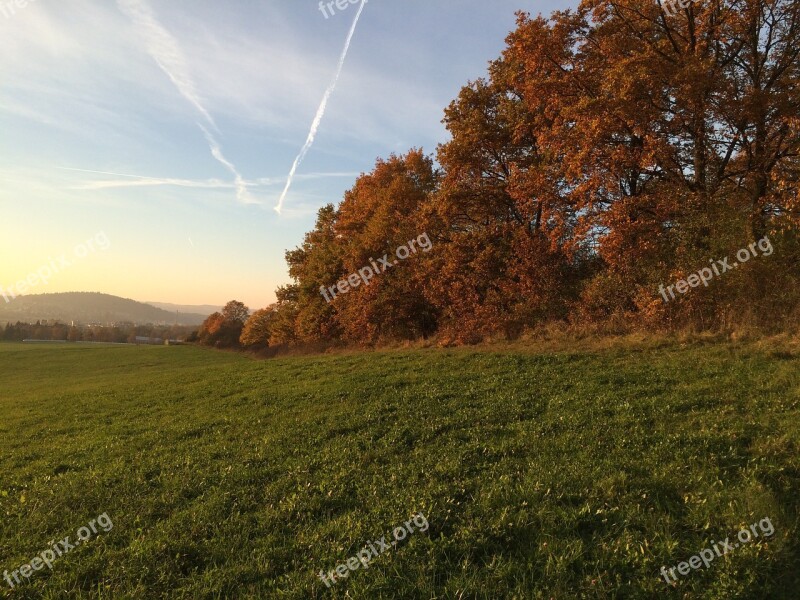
608 151
119 334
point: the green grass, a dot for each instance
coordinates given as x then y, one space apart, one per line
573 474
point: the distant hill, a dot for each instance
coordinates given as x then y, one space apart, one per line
90 307
197 309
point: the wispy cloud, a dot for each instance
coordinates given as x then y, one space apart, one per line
145 181
141 181
320 111
167 53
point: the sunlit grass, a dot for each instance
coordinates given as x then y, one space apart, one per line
570 474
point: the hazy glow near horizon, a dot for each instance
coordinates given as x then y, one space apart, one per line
169 128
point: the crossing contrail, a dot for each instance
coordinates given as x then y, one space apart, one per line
241 187
320 111
167 53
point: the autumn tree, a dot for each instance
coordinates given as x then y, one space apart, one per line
658 129
209 330
609 149
500 264
256 332
284 324
378 215
315 264
235 313
223 329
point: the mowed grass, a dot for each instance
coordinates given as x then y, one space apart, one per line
569 474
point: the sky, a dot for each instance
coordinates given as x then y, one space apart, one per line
145 144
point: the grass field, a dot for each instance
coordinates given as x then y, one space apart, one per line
570 474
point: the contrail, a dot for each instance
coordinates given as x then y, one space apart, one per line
320 111
144 181
167 53
241 186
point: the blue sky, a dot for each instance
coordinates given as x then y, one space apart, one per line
171 127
